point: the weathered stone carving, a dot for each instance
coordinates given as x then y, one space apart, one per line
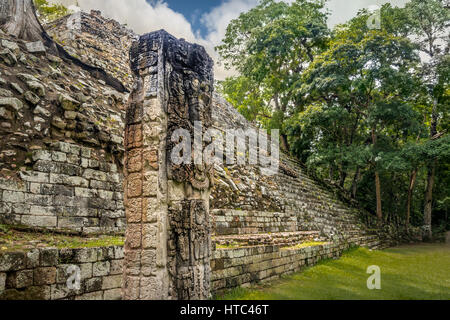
168 246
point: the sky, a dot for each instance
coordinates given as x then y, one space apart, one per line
201 21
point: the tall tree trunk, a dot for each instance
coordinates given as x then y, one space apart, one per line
18 18
427 234
427 219
377 184
412 183
355 182
284 143
342 178
378 192
282 108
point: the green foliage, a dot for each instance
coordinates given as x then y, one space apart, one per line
353 101
270 46
49 12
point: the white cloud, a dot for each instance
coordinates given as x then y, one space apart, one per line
140 15
143 17
344 10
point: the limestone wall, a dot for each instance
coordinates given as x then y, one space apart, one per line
96 40
70 188
43 274
61 151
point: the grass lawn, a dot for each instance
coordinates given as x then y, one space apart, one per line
407 272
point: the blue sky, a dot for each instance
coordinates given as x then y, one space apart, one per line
193 10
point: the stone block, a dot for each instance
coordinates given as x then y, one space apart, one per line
119 252
32 258
13 196
105 253
45 276
85 255
31 176
95 174
61 291
133 236
131 286
39 221
101 268
150 184
42 155
134 160
113 294
149 236
93 284
49 257
71 223
12 261
92 296
41 200
35 47
2 282
112 282
134 210
116 267
23 279
134 187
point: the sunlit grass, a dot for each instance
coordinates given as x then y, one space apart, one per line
407 273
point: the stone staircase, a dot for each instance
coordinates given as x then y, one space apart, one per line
318 209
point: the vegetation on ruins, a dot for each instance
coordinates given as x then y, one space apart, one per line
367 109
49 12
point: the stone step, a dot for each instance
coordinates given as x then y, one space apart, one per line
280 238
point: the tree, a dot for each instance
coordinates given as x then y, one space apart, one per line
429 21
270 46
364 84
18 18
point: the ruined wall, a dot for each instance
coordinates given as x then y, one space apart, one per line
96 40
61 150
43 274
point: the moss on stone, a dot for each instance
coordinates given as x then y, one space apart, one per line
12 239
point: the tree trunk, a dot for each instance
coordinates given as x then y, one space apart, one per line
18 18
355 182
430 179
342 178
284 143
427 232
378 192
377 184
412 183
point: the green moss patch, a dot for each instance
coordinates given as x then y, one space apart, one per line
18 240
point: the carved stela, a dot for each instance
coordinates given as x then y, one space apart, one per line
173 90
